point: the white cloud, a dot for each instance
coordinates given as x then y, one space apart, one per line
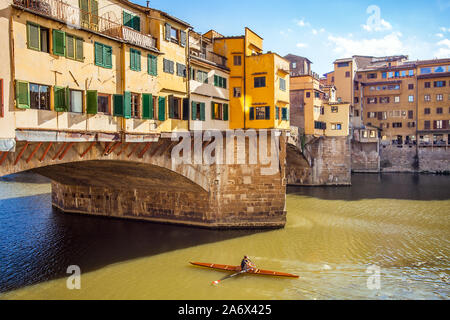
439 35
442 53
382 25
302 23
314 31
390 44
445 42
301 45
444 29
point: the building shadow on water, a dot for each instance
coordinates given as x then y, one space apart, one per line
402 186
38 243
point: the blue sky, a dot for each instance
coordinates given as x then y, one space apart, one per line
326 30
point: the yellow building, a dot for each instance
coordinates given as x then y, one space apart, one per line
259 82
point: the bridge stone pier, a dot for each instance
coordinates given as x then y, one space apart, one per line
134 177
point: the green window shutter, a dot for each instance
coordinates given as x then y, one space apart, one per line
202 111
252 113
224 83
33 36
107 57
277 113
225 112
22 95
84 9
194 110
61 99
171 107
132 61
59 43
79 49
162 109
185 109
70 45
287 114
213 116
135 60
147 106
138 60
98 48
91 102
118 105
216 80
127 19
127 105
152 65
267 113
136 21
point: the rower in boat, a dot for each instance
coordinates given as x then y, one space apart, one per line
247 264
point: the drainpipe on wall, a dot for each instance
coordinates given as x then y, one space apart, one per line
123 71
245 87
188 74
417 123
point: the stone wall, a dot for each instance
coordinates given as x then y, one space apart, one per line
330 162
365 157
434 160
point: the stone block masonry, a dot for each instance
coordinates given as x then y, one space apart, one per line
365 157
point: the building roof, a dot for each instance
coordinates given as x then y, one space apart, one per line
293 56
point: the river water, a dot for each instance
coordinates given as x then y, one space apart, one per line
386 237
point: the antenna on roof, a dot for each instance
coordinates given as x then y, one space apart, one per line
148 2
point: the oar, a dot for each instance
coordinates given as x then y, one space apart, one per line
229 276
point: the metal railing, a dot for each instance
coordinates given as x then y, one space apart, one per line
77 18
209 56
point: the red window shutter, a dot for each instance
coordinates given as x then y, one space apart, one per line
434 124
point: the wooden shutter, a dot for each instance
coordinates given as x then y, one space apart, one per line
79 49
91 102
70 45
59 43
171 107
118 105
434 124
216 80
94 13
136 23
162 109
202 111
127 105
252 113
287 115
185 109
132 59
98 51
213 111
22 95
167 31
379 116
127 19
84 12
107 57
267 113
194 110
225 112
147 106
152 65
33 36
182 38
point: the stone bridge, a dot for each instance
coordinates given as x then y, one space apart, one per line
134 177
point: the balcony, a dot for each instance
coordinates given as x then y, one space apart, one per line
210 57
76 18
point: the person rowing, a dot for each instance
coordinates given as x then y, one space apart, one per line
247 264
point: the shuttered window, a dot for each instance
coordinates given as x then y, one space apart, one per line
61 99
220 82
252 113
135 60
74 47
225 112
22 95
59 43
168 66
132 21
33 38
152 65
181 70
103 55
147 106
277 113
127 105
118 105
167 32
182 38
91 102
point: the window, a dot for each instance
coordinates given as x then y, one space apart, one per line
294 65
282 84
427 84
135 106
219 111
277 113
427 111
317 94
334 109
262 113
74 47
396 125
201 76
174 34
397 99
284 114
320 125
237 60
237 92
373 134
308 94
411 73
427 97
439 111
198 111
427 124
168 66
412 124
103 55
410 86
439 97
371 100
371 76
371 115
76 101
135 60
181 70
347 74
174 107
39 96
89 13
410 98
439 84
220 82
260 82
131 21
152 65
410 114
390 74
343 64
103 101
438 124
37 37
384 99
384 75
336 126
